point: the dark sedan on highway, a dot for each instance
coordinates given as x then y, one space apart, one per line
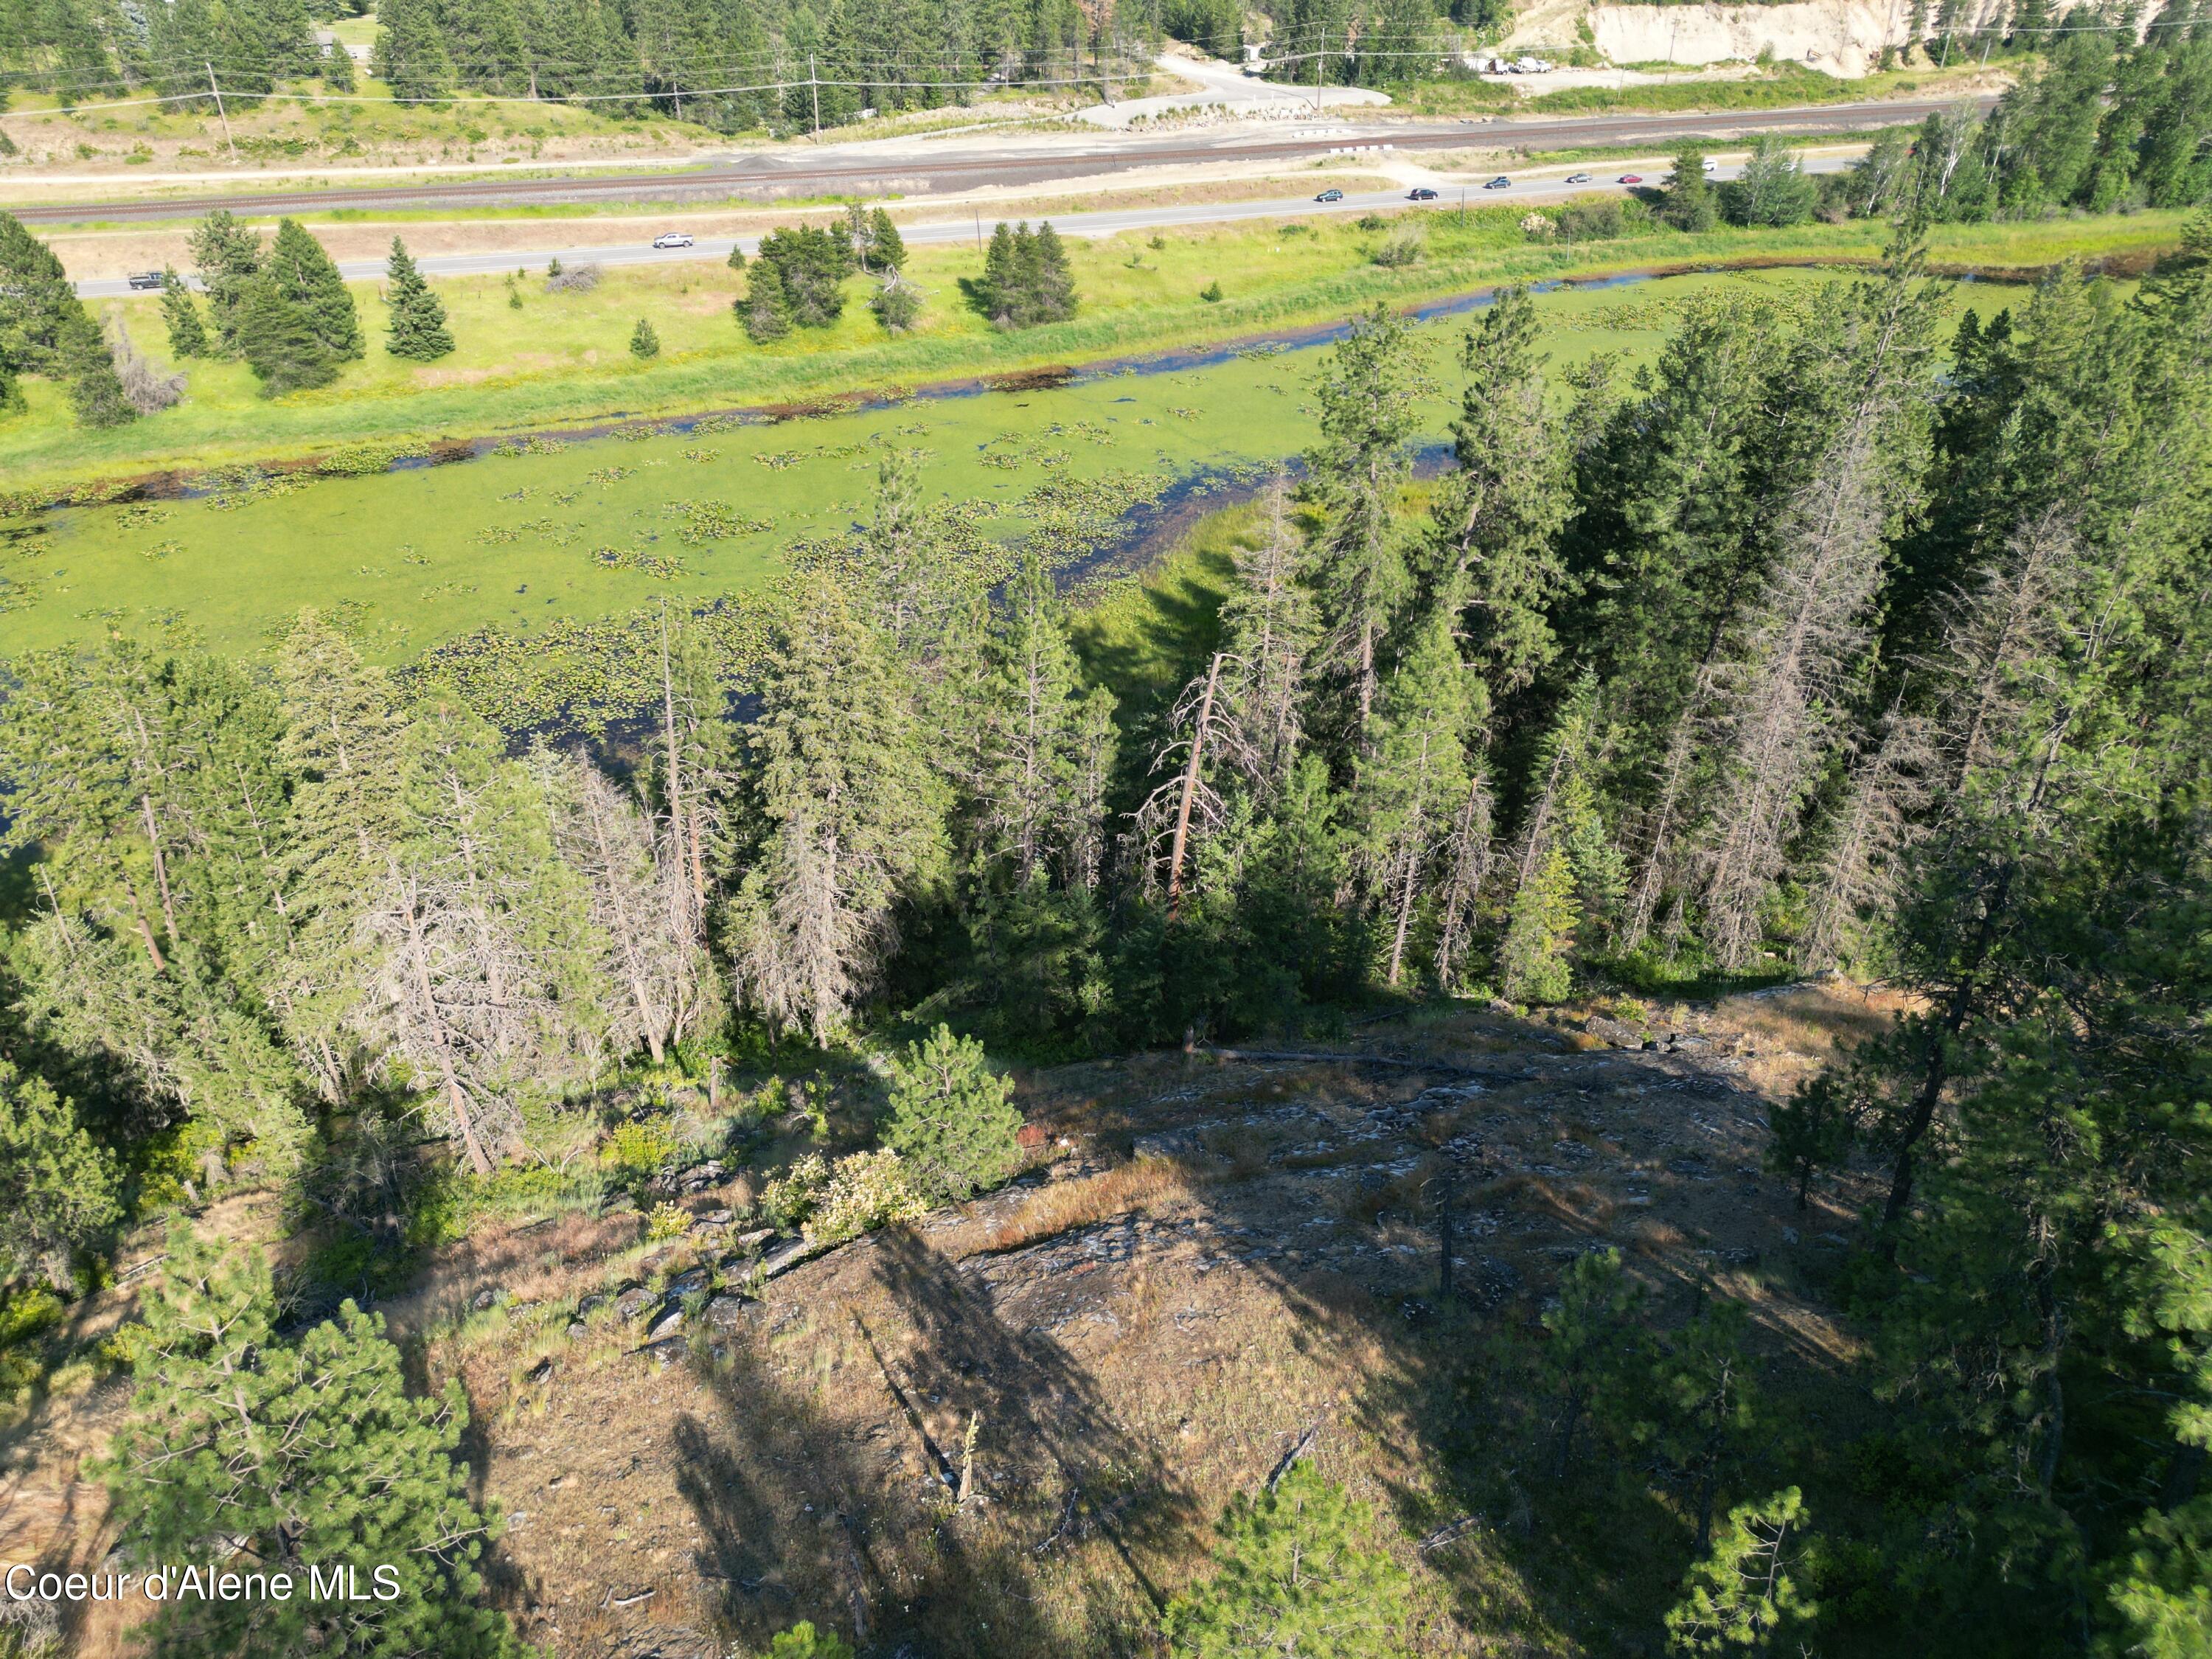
1500 183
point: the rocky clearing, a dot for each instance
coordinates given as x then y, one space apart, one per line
708 1438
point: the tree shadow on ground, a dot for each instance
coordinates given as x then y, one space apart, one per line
808 1510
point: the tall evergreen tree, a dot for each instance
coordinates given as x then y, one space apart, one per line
188 334
410 55
844 820
277 339
228 258
303 273
1499 514
1415 777
417 328
57 1186
1367 388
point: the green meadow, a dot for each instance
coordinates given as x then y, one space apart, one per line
529 542
560 359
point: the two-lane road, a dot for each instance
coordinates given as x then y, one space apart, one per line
913 167
1551 188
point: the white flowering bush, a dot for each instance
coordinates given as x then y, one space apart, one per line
865 1191
791 1196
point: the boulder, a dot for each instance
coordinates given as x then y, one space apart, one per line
1612 1032
754 1241
488 1299
684 1284
666 1323
621 1203
729 1310
786 1255
633 1302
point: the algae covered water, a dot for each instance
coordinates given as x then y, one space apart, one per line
546 538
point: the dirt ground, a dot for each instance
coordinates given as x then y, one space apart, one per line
1224 1257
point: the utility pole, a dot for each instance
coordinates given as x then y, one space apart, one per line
1320 51
979 230
221 113
814 92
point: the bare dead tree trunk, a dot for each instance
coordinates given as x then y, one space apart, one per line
457 1098
1190 785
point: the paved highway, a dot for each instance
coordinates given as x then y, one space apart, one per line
910 168
1551 188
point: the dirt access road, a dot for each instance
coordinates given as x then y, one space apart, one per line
904 168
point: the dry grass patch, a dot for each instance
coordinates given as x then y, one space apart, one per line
1068 1204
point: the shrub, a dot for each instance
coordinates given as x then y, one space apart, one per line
865 1191
791 1197
1403 246
803 1641
897 305
1590 222
644 344
667 1221
1212 291
953 1118
639 1149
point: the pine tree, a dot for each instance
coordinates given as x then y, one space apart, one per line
1592 1350
1737 1599
410 54
97 394
1499 516
1704 1384
338 70
45 328
1000 291
294 1453
1690 203
845 818
953 1121
1414 776
642 916
1031 752
1051 282
1534 958
228 257
278 341
1565 868
417 328
57 1186
1297 1571
304 273
1369 388
1780 689
644 344
188 334
886 248
765 310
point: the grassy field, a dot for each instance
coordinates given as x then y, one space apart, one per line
561 359
1778 86
526 544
